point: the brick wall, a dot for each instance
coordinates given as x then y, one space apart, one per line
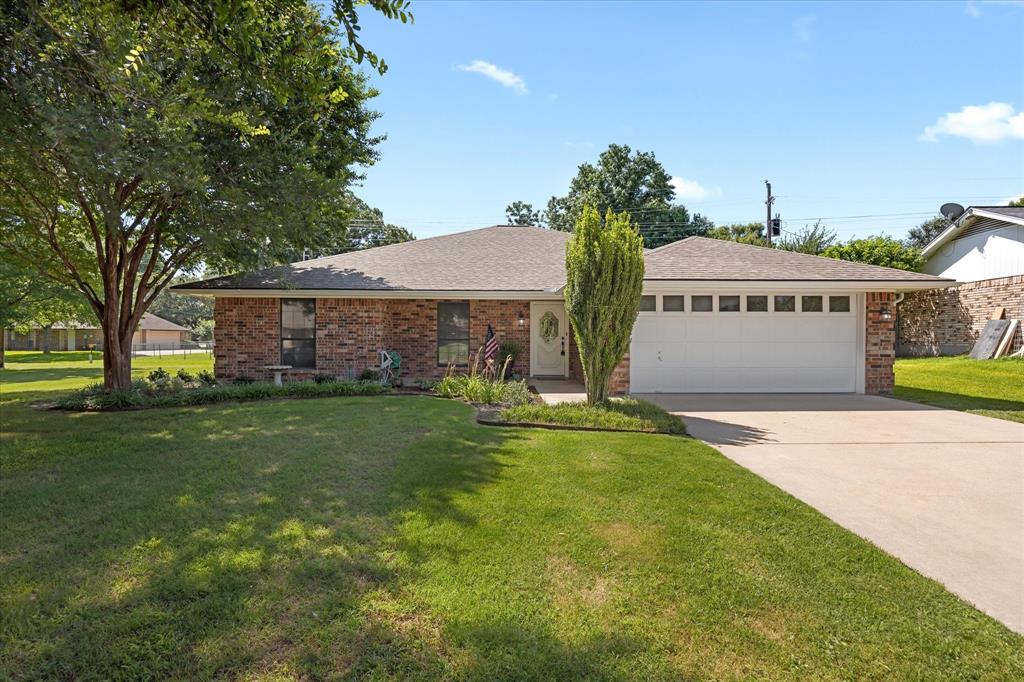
351 331
246 336
879 342
948 321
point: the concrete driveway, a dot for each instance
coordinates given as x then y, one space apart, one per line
941 490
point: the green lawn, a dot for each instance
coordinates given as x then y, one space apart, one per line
994 388
394 538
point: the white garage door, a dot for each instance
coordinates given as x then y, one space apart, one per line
763 343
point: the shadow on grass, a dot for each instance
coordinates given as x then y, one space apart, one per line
957 401
243 539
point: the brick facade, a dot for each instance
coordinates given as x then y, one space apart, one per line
948 321
351 331
879 342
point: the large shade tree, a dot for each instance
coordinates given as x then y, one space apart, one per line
604 266
140 138
879 250
922 235
623 181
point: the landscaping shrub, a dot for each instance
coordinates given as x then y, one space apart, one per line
477 387
370 374
144 394
324 379
158 375
625 414
242 379
207 378
185 376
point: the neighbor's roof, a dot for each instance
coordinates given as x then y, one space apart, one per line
974 216
701 258
499 258
149 322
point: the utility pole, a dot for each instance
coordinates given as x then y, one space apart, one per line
768 214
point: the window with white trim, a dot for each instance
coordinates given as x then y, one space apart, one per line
298 332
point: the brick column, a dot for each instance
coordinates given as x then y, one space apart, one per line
879 342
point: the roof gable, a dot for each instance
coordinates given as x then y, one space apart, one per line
987 217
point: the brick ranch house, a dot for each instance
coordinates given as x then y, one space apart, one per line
983 250
715 316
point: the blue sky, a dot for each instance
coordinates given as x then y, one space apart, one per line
849 109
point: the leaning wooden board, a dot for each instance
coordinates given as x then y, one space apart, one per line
988 340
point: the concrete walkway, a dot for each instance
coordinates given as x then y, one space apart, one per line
941 490
555 391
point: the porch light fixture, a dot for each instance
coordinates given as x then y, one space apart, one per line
884 312
522 319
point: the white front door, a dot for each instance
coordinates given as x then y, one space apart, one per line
549 339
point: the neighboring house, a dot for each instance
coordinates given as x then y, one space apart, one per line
984 251
716 316
153 333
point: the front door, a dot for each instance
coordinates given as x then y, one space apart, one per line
549 339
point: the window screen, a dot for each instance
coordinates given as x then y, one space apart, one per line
298 332
701 304
647 304
839 304
672 304
452 334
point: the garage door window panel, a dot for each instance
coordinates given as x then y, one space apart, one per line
785 304
757 304
811 304
728 304
702 304
648 304
673 304
839 304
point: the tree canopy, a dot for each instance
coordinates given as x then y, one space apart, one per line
880 250
920 236
626 181
138 139
812 239
522 213
744 233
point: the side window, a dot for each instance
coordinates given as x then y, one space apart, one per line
298 332
453 333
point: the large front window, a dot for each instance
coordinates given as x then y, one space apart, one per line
298 332
452 334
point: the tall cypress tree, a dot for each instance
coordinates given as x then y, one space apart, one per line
604 264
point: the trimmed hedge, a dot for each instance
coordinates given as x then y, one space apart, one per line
142 394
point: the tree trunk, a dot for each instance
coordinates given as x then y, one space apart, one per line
597 385
46 340
117 358
3 347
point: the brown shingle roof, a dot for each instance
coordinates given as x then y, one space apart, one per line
149 322
499 258
701 258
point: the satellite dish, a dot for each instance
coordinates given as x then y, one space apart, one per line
951 211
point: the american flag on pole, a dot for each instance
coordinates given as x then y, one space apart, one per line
490 346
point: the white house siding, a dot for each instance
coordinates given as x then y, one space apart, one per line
989 254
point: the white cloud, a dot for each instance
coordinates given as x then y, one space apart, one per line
1008 200
803 28
691 190
496 73
983 124
973 7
